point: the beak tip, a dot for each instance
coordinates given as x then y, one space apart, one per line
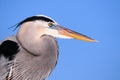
93 40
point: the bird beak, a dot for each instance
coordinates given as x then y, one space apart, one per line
72 34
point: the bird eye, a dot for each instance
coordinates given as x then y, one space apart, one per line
50 24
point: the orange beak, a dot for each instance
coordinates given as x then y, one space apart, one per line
72 34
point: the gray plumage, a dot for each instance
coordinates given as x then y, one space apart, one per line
29 66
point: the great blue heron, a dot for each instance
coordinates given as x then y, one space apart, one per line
32 53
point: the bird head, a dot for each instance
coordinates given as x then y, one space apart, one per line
47 26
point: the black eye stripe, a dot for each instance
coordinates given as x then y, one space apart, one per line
33 18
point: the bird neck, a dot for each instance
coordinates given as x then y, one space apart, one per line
32 39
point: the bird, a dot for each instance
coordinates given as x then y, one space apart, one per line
32 53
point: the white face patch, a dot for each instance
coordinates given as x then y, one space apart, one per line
55 33
41 23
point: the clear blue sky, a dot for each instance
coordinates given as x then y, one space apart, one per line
78 60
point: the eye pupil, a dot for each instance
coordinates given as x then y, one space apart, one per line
50 24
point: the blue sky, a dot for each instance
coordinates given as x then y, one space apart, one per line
78 60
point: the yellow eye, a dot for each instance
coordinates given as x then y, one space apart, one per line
50 24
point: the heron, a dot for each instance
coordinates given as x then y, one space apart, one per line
32 53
